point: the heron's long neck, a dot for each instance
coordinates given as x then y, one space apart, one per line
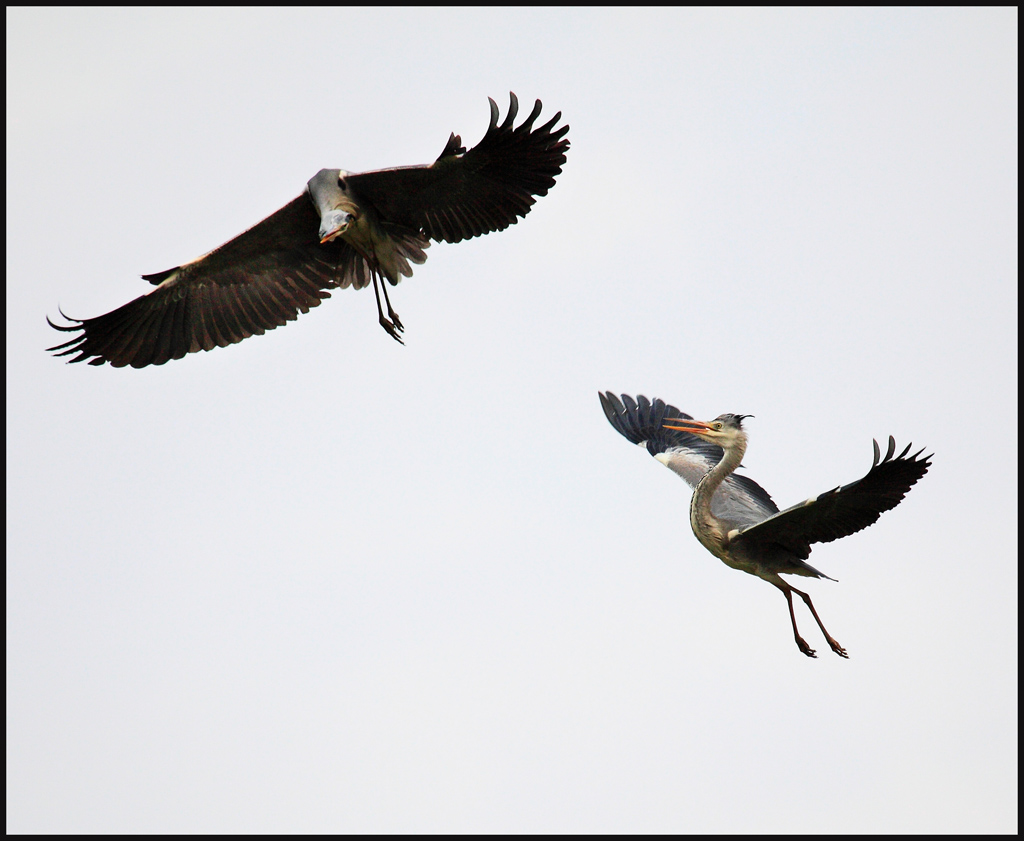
705 524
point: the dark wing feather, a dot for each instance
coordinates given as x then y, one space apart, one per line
640 423
260 280
739 501
845 510
466 194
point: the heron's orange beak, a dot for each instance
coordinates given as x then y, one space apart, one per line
690 425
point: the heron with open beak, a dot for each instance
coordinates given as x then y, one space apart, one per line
735 519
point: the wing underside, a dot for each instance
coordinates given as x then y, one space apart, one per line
261 279
465 194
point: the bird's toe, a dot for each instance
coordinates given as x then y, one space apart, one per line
391 329
805 648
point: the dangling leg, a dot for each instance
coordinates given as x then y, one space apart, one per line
836 647
393 325
391 313
800 641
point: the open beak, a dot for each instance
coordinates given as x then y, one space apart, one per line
684 425
332 224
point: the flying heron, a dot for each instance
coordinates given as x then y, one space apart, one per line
346 229
735 518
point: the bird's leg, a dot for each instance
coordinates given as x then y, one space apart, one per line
836 647
391 326
800 641
391 313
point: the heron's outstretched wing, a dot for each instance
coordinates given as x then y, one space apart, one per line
739 501
466 194
845 510
260 280
268 275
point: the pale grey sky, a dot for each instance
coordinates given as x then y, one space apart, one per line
320 582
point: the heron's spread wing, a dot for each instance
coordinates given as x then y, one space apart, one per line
739 501
260 280
466 194
845 510
265 277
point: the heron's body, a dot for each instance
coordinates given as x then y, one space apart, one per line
735 519
722 535
346 229
346 214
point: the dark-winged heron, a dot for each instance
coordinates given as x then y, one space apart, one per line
346 229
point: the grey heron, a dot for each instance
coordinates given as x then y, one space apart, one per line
346 229
734 517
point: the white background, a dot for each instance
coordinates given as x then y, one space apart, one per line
321 582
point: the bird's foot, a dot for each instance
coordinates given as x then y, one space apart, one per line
395 319
804 647
392 329
837 648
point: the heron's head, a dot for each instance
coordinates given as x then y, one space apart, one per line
334 223
726 430
329 193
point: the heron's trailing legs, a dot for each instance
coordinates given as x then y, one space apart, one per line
787 591
392 324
